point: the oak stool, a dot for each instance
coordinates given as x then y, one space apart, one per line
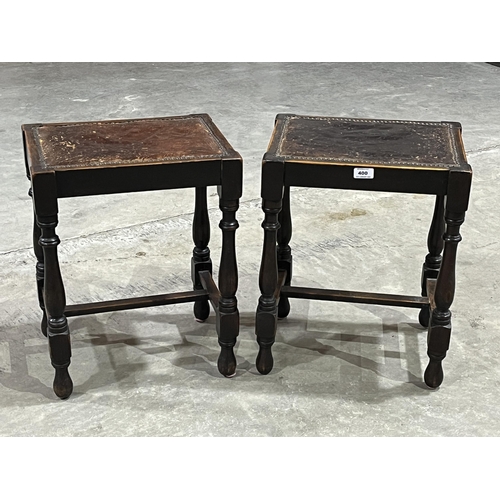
103 157
372 155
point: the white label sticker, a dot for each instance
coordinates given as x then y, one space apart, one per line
364 173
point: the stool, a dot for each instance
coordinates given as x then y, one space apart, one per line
122 156
371 155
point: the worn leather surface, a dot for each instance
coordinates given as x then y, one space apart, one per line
370 142
128 142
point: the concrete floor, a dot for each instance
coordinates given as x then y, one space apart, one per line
340 369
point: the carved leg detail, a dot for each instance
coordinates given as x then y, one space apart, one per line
267 310
40 273
201 253
440 325
39 269
55 303
430 268
284 250
228 319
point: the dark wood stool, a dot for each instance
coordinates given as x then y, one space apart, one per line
372 155
103 157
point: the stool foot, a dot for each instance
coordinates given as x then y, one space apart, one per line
438 341
201 310
63 385
264 361
434 375
423 316
227 360
265 329
283 307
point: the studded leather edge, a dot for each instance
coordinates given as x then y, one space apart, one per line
224 151
448 126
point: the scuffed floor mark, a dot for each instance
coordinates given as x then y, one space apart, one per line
477 322
355 212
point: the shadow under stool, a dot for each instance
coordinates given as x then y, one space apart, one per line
122 156
371 155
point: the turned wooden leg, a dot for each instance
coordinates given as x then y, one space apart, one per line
284 250
39 270
228 319
438 339
201 253
55 303
267 310
430 268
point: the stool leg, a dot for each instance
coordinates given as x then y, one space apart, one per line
430 268
438 339
55 303
284 250
267 310
39 269
201 253
228 318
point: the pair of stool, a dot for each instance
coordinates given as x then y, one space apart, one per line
92 158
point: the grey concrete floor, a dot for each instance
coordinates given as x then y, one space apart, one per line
340 369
